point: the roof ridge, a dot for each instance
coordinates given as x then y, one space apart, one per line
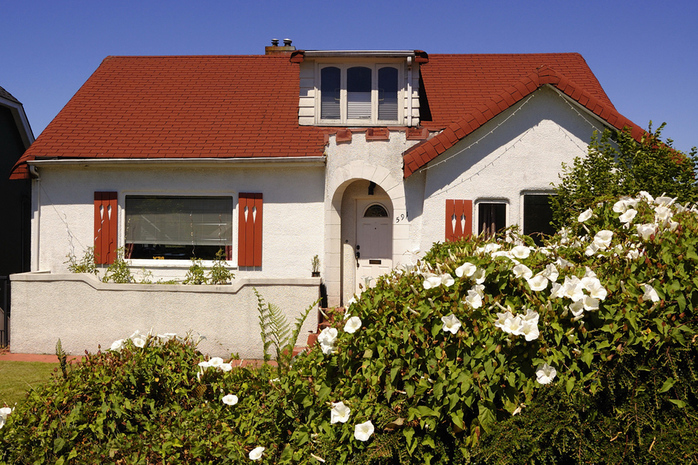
419 155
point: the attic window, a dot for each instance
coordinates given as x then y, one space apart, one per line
359 94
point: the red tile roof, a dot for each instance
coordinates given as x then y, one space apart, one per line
247 106
463 92
182 107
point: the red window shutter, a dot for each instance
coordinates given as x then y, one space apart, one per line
459 219
250 230
105 227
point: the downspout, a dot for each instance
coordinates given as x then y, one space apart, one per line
36 222
409 92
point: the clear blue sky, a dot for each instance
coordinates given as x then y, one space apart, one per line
644 53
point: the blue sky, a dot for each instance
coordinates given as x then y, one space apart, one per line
644 53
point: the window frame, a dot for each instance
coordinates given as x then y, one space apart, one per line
482 202
184 262
343 67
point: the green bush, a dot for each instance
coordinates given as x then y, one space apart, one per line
580 351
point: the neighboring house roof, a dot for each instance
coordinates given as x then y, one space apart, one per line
7 96
247 106
463 92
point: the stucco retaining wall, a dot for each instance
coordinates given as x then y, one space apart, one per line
84 313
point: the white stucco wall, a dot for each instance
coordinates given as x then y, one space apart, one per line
84 313
523 156
293 210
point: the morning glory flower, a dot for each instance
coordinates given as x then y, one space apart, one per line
479 276
256 453
585 215
502 318
474 299
537 283
577 308
215 362
550 272
451 323
431 282
4 413
339 413
650 294
646 230
522 271
662 214
628 216
327 338
447 280
363 431
467 269
117 345
521 252
225 367
545 374
590 303
352 325
602 239
230 399
529 330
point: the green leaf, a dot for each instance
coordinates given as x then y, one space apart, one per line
569 385
678 403
668 384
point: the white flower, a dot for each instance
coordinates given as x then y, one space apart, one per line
480 289
327 338
556 291
590 303
646 230
363 431
577 308
467 269
521 251
603 238
502 318
529 330
226 367
591 249
474 299
650 294
573 288
351 301
585 215
621 206
204 364
538 282
531 316
447 280
138 342
513 325
339 413
215 362
117 345
256 453
352 325
662 214
479 276
451 323
550 272
647 196
664 201
230 399
431 282
593 285
545 374
522 271
4 413
628 216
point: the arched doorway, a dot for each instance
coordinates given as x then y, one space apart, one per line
374 240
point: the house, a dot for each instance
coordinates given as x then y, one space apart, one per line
15 137
360 157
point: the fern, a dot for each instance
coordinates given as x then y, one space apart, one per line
276 331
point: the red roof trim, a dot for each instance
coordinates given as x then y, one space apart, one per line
421 154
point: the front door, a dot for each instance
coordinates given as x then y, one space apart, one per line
374 237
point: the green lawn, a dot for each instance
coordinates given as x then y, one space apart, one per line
16 378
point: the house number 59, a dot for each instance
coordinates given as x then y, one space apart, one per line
401 217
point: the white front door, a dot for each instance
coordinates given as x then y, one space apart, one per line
374 237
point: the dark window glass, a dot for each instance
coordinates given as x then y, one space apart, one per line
330 84
492 218
387 94
538 215
359 93
376 211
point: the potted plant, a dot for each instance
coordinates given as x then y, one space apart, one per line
315 263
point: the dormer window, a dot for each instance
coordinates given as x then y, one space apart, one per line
359 94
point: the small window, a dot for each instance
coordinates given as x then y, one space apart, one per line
492 218
359 93
376 211
169 227
538 216
387 94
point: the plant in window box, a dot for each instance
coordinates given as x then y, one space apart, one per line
85 265
195 275
219 273
315 263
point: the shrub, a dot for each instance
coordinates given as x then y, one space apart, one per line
583 350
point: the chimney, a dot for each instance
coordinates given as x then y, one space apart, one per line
275 48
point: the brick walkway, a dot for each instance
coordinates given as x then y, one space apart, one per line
8 356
